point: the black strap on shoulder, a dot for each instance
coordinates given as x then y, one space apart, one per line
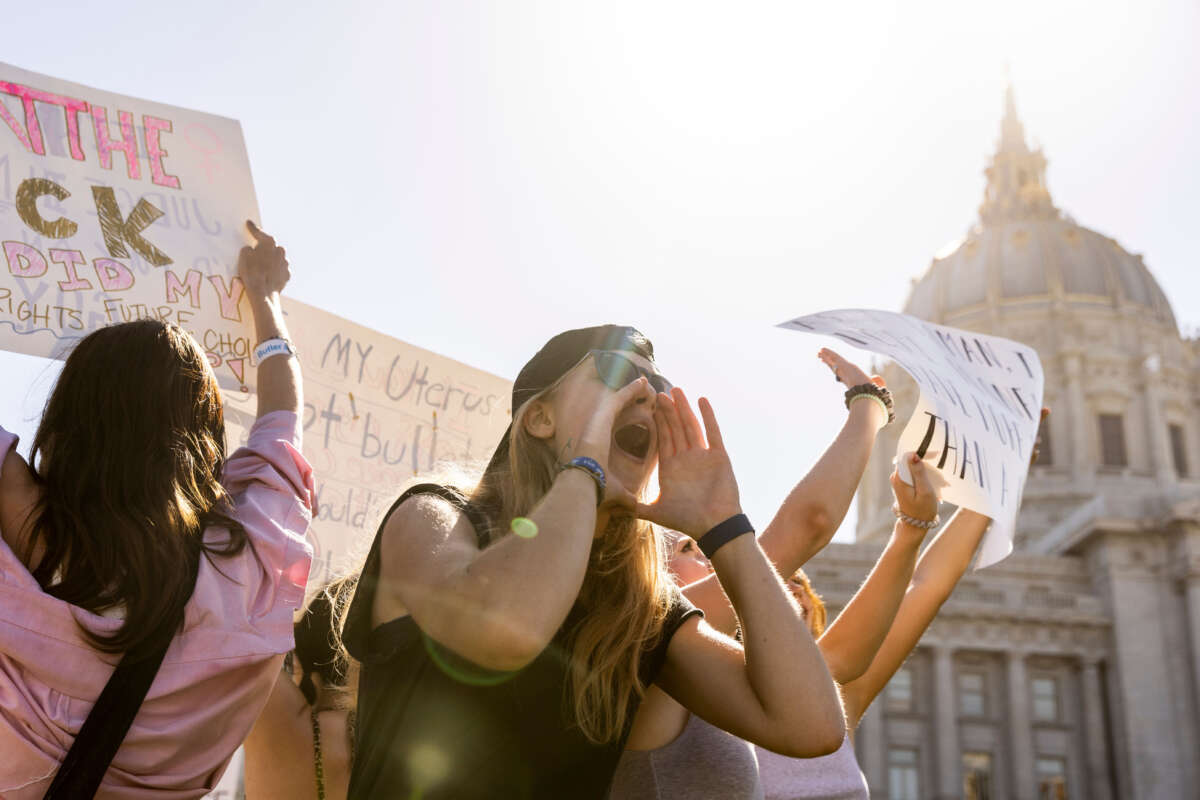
106 726
358 627
452 496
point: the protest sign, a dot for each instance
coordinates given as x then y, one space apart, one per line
113 209
977 416
377 413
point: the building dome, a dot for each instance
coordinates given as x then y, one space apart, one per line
1024 252
1124 439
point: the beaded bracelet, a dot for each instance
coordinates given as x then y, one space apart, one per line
887 412
878 392
923 524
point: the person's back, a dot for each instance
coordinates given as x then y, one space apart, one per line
124 504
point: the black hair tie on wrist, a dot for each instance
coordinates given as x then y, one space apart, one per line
724 533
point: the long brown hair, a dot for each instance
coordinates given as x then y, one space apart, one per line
626 591
128 456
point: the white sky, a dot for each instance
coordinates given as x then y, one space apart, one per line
475 177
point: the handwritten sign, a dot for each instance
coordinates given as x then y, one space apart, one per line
977 417
377 413
114 209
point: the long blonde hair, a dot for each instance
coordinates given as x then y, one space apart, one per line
626 591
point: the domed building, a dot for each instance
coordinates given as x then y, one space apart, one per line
1071 668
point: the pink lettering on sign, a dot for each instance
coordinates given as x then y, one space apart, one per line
71 108
190 286
155 151
18 129
70 260
113 275
24 260
228 296
238 366
128 144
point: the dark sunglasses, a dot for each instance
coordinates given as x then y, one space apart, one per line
618 371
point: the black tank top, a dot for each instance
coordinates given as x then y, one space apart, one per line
433 725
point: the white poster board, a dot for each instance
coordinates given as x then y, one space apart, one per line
977 417
378 412
113 209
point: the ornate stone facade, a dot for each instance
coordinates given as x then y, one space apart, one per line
1072 668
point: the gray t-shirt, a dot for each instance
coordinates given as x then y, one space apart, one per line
703 763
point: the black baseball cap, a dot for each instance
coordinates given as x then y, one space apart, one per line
559 355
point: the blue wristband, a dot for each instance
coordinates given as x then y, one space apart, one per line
592 467
724 533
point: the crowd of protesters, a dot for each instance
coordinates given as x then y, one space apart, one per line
542 633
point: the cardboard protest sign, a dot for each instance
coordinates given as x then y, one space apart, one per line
377 413
113 209
977 417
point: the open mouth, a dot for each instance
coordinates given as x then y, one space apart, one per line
634 440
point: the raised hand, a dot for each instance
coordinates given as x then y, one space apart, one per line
263 268
920 500
847 372
697 489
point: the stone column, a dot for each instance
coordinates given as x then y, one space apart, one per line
1096 731
1020 732
1158 442
871 746
945 720
1188 560
1079 415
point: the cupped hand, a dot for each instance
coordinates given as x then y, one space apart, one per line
697 489
847 372
596 439
263 268
920 500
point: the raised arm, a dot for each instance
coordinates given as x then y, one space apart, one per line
777 691
816 506
937 572
851 642
264 272
499 606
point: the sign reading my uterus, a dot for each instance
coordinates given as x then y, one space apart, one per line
379 413
114 209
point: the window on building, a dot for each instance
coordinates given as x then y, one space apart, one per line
1052 778
977 776
900 690
1178 450
1046 448
1112 441
1045 699
970 694
904 777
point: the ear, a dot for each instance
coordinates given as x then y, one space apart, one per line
539 420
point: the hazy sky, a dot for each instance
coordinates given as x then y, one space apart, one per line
474 177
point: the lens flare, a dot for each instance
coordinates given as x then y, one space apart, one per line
524 527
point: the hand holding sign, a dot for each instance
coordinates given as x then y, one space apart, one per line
976 419
916 498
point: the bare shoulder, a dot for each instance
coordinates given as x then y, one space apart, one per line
424 540
425 523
